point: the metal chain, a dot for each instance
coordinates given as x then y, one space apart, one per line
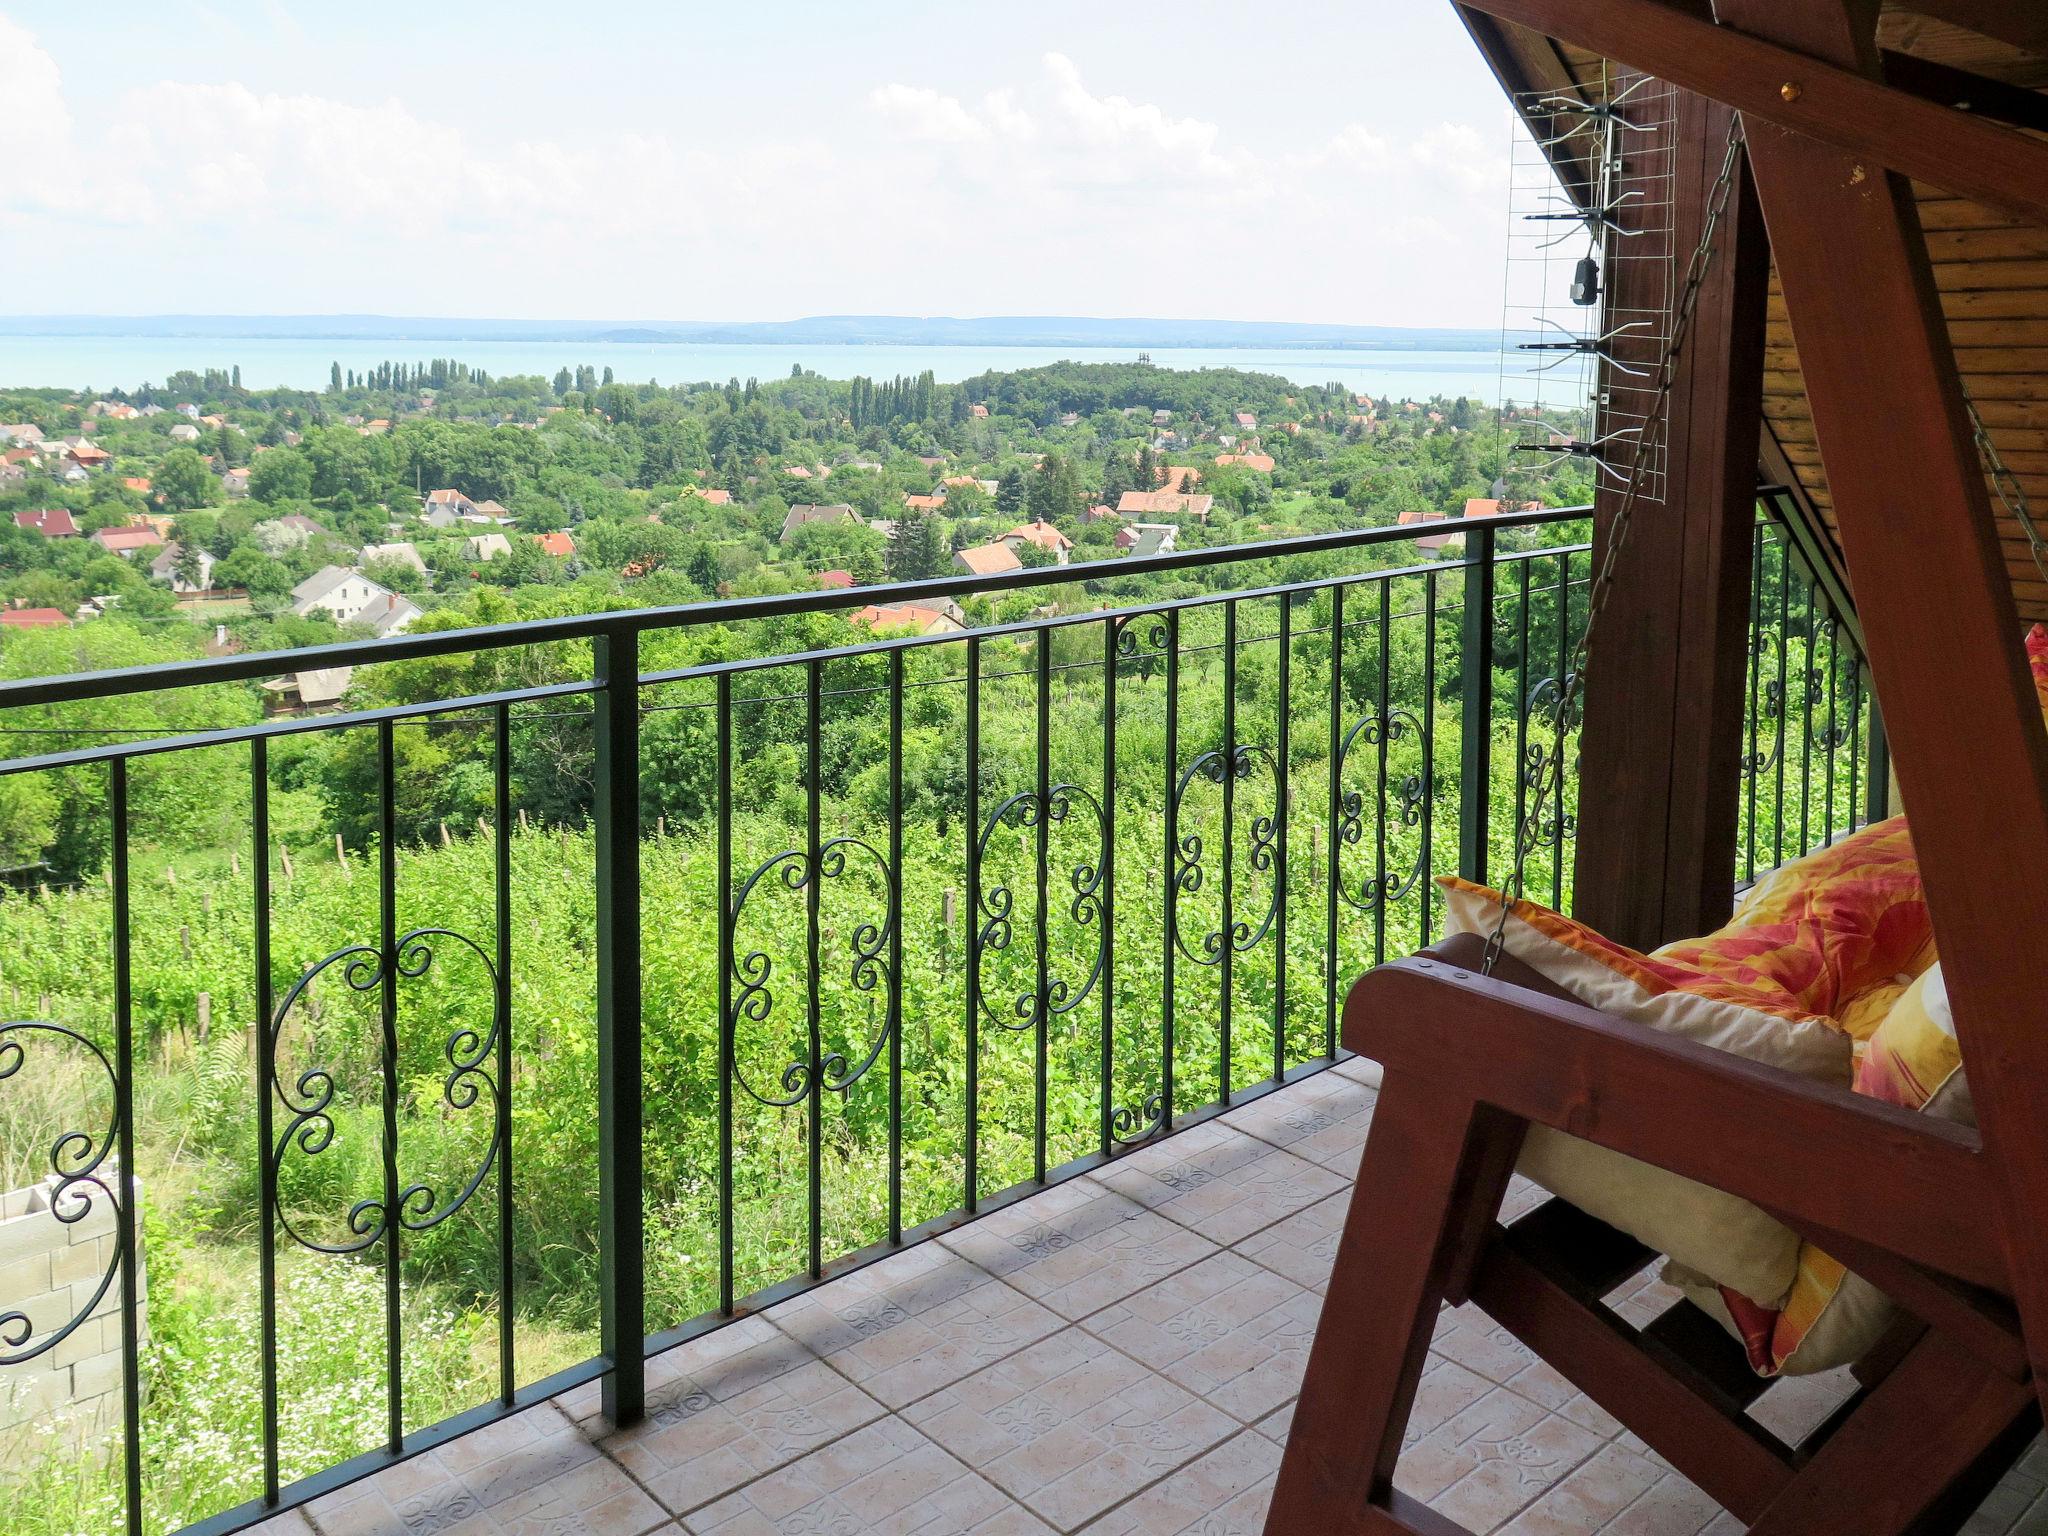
2009 489
1648 446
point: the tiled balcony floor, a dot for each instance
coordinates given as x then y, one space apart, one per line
1117 1356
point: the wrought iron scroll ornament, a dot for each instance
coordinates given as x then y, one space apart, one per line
1240 762
1410 797
79 1177
753 971
995 904
474 1070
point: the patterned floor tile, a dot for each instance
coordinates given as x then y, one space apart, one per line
882 1480
1219 1182
722 1411
530 1475
1484 1464
1224 1493
1225 1329
1304 1246
1069 1427
1594 1493
1078 1247
1468 1336
1322 1118
914 1323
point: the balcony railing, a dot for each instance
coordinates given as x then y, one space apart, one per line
759 962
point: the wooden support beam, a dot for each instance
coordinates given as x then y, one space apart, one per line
1877 124
1959 705
1663 737
2023 23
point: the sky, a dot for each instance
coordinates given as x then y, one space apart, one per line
754 160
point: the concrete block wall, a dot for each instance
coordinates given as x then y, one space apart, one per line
49 1270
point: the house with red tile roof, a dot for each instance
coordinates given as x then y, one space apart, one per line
988 560
33 618
1260 462
1042 535
558 544
50 522
140 484
717 495
127 542
1164 504
924 503
926 621
836 581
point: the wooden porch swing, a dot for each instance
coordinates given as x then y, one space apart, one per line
1950 1222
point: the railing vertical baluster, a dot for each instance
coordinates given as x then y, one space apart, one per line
1562 724
501 799
1228 959
387 949
973 1105
1784 697
1834 729
1806 723
1475 677
1172 875
1041 1028
1514 875
895 1021
727 1024
621 1155
814 1095
1878 752
1281 806
1106 864
266 1076
1855 682
1753 665
1381 705
1426 884
1331 832
124 1118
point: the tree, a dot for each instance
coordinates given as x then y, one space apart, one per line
184 481
188 570
1010 491
916 549
334 379
563 381
283 474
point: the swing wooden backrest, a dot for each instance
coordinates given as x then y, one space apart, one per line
1949 1221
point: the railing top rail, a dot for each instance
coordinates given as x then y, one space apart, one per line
157 676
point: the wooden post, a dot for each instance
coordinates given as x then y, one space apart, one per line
205 1010
1959 707
1664 689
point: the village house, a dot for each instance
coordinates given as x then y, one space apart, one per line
315 692
484 547
50 522
443 508
1432 543
914 616
139 484
164 568
1148 538
350 597
805 513
236 482
988 559
1181 479
33 618
717 495
1164 504
557 544
489 512
1260 462
1041 535
185 432
915 503
127 542
836 581
401 550
21 434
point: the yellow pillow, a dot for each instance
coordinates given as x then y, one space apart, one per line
1914 1059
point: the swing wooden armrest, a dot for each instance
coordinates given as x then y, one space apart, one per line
1818 1155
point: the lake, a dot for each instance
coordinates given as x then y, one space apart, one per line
109 362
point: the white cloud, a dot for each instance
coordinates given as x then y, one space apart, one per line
1044 193
926 114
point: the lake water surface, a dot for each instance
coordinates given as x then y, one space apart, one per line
109 362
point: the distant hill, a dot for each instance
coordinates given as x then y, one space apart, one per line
872 330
